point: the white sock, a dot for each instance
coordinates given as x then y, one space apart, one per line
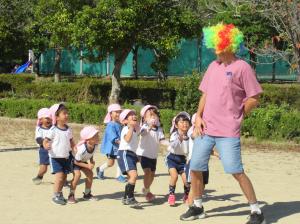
103 167
255 208
198 202
87 191
118 171
146 190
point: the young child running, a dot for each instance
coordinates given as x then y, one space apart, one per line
59 142
83 161
176 158
127 157
111 141
192 135
44 123
151 135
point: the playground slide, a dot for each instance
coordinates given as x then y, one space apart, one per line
23 68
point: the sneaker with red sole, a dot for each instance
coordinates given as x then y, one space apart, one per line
171 199
71 199
150 197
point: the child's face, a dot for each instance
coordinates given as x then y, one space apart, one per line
132 118
63 117
115 115
46 122
94 140
151 118
183 125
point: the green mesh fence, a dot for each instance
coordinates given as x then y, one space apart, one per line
192 57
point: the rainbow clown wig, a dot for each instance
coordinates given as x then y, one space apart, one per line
223 38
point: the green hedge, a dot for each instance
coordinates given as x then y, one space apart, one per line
79 112
272 122
179 94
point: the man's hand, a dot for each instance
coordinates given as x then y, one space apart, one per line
200 126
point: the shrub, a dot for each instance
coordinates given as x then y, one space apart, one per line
273 122
188 95
79 112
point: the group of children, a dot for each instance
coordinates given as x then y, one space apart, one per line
126 140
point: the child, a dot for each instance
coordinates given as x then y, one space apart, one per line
83 161
59 142
44 123
192 135
127 157
178 150
111 141
151 135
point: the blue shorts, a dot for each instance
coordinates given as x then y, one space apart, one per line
177 162
127 161
148 163
76 167
60 165
44 156
187 171
228 148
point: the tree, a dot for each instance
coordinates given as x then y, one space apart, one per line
116 26
52 26
15 15
284 16
242 13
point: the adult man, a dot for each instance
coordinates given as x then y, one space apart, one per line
230 91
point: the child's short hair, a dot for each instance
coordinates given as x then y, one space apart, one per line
182 117
61 108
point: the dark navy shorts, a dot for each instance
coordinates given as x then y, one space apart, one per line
177 162
127 161
44 157
148 163
60 165
187 171
75 167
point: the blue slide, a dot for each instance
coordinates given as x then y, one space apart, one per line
23 68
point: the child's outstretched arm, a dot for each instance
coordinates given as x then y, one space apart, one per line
47 143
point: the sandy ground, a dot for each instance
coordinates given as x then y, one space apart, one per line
275 175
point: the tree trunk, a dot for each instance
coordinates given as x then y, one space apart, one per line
120 57
135 62
57 65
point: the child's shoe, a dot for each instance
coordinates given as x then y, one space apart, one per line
132 202
37 180
121 179
71 199
171 199
60 200
150 197
100 174
89 197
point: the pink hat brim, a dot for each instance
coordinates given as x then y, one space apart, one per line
145 108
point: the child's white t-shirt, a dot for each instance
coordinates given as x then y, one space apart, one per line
176 146
149 143
133 144
191 142
60 142
40 132
82 153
